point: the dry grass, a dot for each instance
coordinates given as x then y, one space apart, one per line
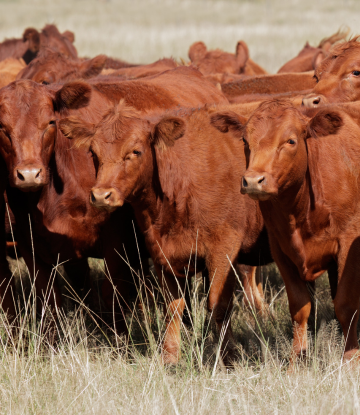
91 371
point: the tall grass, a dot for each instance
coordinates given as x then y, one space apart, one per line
86 368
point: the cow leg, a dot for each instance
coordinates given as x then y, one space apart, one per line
174 304
347 298
299 300
78 271
253 297
220 300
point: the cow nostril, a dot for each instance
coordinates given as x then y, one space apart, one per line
316 101
261 179
20 176
38 174
93 199
108 196
244 182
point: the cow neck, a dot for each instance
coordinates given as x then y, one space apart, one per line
297 213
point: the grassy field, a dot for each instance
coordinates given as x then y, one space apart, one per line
89 370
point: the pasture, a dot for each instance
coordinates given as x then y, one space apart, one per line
90 370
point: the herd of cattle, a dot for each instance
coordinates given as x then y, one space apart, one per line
221 165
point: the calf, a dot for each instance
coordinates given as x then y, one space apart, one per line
180 175
337 77
218 61
303 168
51 180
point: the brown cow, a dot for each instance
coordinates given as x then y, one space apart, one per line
304 170
310 57
180 174
218 61
51 66
41 160
32 42
338 76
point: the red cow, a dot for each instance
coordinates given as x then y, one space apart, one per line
218 61
310 57
180 174
337 77
40 159
51 66
33 41
304 171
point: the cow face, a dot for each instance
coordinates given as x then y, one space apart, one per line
217 61
28 118
338 77
276 150
274 143
123 146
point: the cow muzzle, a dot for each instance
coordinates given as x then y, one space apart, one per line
105 198
313 101
259 186
30 178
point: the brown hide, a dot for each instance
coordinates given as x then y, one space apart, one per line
9 68
304 170
218 61
269 84
63 221
180 176
338 76
33 41
142 71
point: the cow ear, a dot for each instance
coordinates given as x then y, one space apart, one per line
93 67
33 36
317 58
167 131
70 36
81 132
325 123
197 51
242 53
72 95
229 121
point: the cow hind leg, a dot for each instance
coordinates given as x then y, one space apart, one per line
252 286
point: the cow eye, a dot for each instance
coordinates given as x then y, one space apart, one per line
356 73
52 122
291 141
316 78
45 82
136 152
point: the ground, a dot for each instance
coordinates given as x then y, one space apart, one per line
87 369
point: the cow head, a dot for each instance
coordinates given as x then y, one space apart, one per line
29 114
122 145
51 66
276 149
337 76
217 61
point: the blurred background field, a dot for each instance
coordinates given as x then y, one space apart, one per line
142 31
89 370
